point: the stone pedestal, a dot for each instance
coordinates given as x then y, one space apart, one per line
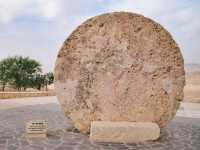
123 132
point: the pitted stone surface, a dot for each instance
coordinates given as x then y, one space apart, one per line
119 67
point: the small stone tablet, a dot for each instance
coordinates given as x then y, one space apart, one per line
36 128
119 67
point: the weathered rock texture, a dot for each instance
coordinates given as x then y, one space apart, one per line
119 67
123 132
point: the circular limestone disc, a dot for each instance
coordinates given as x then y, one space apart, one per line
119 67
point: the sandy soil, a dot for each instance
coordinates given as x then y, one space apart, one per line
192 88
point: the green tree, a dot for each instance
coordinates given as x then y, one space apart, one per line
23 70
5 71
18 71
22 73
48 79
42 80
38 81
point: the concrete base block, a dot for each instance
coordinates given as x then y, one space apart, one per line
123 132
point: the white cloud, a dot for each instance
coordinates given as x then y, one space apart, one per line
12 9
49 8
145 7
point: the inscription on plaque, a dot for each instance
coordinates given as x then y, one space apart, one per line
36 128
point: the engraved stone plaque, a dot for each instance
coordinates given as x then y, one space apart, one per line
36 128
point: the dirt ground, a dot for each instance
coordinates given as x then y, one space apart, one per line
192 88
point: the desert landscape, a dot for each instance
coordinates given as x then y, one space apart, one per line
192 88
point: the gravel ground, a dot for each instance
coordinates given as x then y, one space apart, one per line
181 134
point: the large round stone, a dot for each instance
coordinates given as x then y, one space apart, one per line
119 67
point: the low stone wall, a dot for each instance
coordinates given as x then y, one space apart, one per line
8 95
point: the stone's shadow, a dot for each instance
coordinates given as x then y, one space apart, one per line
181 133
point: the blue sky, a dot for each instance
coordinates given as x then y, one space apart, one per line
37 28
